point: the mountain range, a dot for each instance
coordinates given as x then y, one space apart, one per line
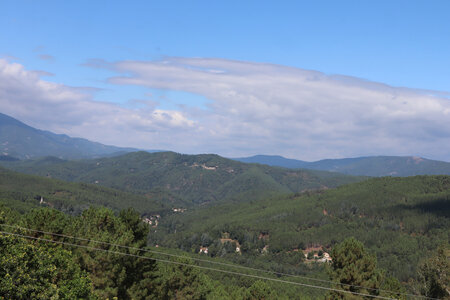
274 209
18 140
360 166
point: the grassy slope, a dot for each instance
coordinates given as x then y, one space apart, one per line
184 176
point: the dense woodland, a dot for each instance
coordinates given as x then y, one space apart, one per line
23 192
41 259
399 219
186 180
389 236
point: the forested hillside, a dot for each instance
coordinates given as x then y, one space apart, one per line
184 179
24 192
46 254
102 255
400 222
399 219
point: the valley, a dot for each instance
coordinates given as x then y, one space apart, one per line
279 222
225 150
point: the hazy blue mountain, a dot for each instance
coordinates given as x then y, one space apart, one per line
274 160
361 166
384 166
22 141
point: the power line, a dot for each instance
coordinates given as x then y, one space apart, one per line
213 262
195 266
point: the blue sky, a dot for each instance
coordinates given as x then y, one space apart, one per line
106 45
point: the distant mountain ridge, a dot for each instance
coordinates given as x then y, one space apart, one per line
21 141
274 160
184 179
401 166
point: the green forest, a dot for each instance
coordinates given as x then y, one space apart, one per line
225 150
47 254
385 237
398 219
23 192
183 180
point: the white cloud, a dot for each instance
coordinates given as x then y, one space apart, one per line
63 109
253 108
261 108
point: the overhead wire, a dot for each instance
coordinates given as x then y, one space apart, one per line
196 259
212 262
196 266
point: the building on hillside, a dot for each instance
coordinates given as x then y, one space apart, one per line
203 250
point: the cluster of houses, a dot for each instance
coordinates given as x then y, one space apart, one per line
325 257
316 254
152 220
181 210
312 254
213 168
204 250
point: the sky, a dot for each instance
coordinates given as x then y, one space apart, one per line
302 79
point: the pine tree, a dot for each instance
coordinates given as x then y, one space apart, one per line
30 270
434 275
354 269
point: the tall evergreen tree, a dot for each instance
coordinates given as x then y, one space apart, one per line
354 269
30 270
434 274
114 275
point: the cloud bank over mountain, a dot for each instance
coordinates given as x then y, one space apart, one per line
253 108
72 110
